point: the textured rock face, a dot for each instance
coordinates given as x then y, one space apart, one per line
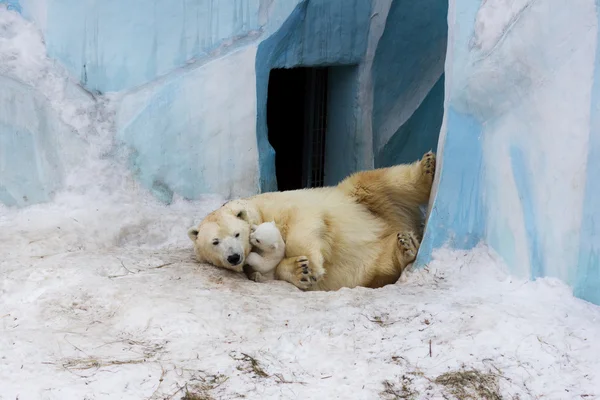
520 143
189 81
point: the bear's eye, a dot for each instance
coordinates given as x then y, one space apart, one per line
215 242
257 241
240 214
237 235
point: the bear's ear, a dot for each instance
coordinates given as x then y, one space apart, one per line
274 246
193 234
242 215
253 228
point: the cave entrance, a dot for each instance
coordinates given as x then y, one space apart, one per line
297 125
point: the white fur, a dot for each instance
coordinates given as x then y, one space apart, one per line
268 251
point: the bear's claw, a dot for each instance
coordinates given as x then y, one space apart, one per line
305 274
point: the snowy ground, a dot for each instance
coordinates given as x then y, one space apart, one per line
100 299
121 319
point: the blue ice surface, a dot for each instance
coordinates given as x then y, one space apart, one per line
587 284
113 45
419 134
497 109
457 214
407 70
317 33
12 5
30 166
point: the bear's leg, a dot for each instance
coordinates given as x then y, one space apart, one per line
394 193
397 252
407 183
412 181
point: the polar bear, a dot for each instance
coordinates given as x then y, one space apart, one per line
268 251
362 232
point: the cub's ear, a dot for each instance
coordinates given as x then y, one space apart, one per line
253 228
193 234
274 246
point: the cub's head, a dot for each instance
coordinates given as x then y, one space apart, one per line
223 237
265 236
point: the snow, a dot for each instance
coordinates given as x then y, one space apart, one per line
139 322
100 297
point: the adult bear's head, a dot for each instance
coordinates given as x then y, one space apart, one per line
223 237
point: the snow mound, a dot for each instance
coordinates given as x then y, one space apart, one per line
135 323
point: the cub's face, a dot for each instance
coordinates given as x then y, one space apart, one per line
223 240
265 236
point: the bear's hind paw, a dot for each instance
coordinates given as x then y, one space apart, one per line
428 164
408 245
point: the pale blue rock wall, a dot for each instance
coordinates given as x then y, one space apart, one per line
519 166
30 145
189 79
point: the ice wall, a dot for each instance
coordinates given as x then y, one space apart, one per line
188 80
29 145
37 147
408 79
190 136
304 39
112 45
518 166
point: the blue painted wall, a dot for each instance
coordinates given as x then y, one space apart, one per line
317 33
114 45
407 81
587 283
457 213
519 146
191 80
12 5
30 144
344 143
419 134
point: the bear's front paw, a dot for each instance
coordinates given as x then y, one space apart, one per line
428 164
408 246
306 275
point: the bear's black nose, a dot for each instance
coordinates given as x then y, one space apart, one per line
234 259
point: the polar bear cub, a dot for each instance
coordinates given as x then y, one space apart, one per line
267 252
